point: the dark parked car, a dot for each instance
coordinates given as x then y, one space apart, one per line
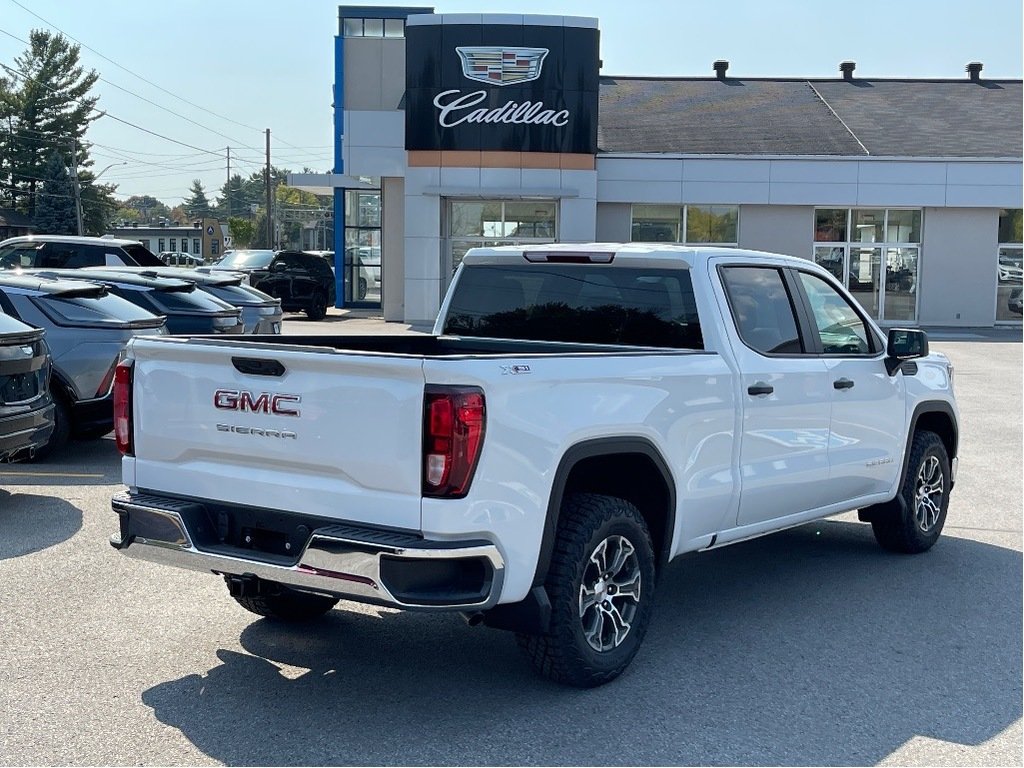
303 282
260 313
86 329
188 311
26 407
71 252
244 261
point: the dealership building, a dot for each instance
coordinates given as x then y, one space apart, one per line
459 130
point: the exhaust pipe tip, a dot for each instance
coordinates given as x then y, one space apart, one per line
474 619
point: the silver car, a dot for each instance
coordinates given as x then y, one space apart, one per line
86 328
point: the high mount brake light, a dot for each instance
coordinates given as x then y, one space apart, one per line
454 421
123 433
569 257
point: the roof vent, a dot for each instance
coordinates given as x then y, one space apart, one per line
974 70
721 67
847 67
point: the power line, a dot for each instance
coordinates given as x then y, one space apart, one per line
103 113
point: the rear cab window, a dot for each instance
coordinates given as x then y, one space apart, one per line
762 309
576 303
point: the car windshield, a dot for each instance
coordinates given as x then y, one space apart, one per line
19 255
246 259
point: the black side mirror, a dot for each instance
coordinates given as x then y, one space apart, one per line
278 266
904 344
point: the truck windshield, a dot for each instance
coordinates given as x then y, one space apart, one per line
578 303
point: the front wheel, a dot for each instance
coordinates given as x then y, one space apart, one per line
914 526
601 587
317 309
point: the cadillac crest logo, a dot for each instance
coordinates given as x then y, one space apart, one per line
495 65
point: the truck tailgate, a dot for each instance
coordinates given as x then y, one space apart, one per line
334 435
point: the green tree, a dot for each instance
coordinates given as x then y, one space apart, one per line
242 231
196 203
98 204
142 209
47 108
55 208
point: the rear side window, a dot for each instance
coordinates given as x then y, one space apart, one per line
578 303
91 310
15 256
762 309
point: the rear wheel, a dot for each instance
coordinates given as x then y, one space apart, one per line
317 309
601 587
284 604
362 288
914 526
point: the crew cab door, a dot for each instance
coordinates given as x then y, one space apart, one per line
868 405
785 392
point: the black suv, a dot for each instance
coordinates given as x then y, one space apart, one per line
71 252
303 282
26 408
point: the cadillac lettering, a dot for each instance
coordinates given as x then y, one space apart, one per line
264 402
512 112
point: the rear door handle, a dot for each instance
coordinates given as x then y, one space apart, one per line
760 388
842 384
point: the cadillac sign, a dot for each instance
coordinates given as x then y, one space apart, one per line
537 97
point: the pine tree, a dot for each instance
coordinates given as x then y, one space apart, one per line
196 204
55 204
49 110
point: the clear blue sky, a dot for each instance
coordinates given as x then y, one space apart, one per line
269 64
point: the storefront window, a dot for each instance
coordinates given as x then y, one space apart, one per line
483 223
363 279
701 224
875 253
1010 268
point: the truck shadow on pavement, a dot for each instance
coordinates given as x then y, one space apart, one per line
812 646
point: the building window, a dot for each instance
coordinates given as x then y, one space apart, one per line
1010 267
173 242
687 224
373 27
875 254
160 245
197 246
362 245
481 223
214 247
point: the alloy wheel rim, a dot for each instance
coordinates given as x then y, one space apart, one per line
609 593
928 491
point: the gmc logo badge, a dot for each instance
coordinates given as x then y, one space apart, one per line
264 402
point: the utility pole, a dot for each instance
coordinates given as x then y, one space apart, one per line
78 186
229 182
270 221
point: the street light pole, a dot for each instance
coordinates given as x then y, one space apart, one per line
79 213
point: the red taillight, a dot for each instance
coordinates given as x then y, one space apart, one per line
123 407
453 434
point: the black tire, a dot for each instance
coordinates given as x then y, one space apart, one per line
61 429
915 525
565 654
287 604
362 288
317 309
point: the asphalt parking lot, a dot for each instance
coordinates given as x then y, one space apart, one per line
812 646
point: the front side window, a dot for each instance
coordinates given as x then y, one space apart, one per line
875 254
840 329
762 309
687 224
584 303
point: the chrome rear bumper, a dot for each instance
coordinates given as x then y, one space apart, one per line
349 561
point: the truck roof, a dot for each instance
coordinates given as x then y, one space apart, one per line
77 239
688 254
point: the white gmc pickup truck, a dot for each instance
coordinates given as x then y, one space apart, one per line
581 415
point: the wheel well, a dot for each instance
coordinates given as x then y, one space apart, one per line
636 478
942 425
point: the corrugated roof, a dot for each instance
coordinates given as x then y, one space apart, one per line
911 118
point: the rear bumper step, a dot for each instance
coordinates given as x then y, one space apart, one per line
350 561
